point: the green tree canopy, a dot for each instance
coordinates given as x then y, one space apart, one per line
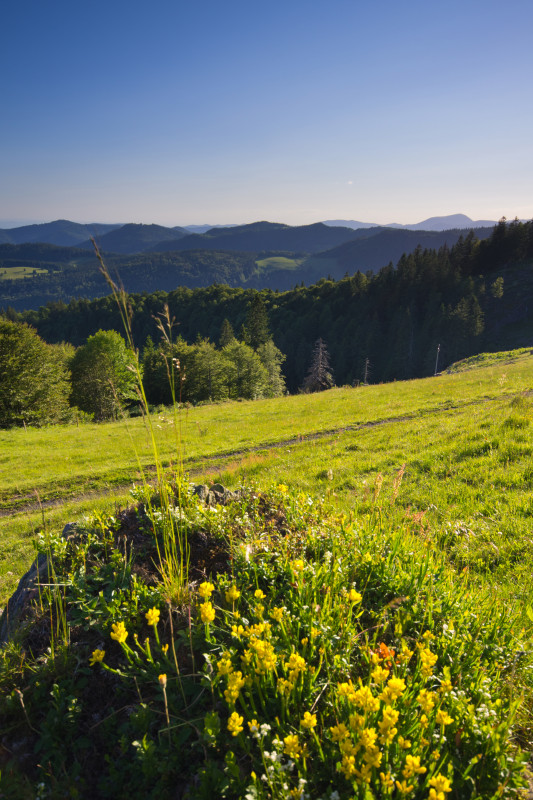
245 374
34 385
102 378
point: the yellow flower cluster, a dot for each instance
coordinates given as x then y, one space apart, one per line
426 700
354 597
440 786
119 632
292 746
308 721
207 612
232 594
428 660
235 684
152 616
393 690
296 665
265 656
387 725
235 724
97 656
205 590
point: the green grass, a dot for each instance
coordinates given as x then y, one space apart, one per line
465 439
407 525
16 273
278 262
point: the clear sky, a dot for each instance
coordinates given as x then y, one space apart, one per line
294 111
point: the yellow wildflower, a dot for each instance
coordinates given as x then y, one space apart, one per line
346 690
277 614
373 757
152 616
119 632
237 631
386 780
235 724
296 664
354 597
441 785
232 594
393 690
308 721
443 718
380 674
412 767
206 589
282 488
426 700
292 746
235 684
304 641
424 721
368 737
356 721
405 744
266 657
347 747
386 726
404 788
224 666
162 680
97 655
164 649
405 654
254 726
364 698
347 766
364 774
259 594
339 732
428 660
284 686
297 565
207 612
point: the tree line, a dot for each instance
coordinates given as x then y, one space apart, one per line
456 301
43 383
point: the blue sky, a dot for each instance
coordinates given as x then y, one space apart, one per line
296 111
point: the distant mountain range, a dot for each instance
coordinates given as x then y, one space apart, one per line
137 238
144 259
430 224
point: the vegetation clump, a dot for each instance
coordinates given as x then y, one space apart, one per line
303 653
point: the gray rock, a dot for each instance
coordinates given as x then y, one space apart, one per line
26 591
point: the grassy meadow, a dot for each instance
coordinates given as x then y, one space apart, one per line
385 572
464 437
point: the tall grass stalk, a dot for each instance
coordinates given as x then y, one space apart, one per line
173 550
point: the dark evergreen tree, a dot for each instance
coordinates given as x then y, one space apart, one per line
320 376
256 330
226 333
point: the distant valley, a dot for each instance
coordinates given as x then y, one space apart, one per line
56 261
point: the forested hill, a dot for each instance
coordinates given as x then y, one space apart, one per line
472 297
34 274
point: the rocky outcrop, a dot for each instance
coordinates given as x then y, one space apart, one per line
27 591
28 588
